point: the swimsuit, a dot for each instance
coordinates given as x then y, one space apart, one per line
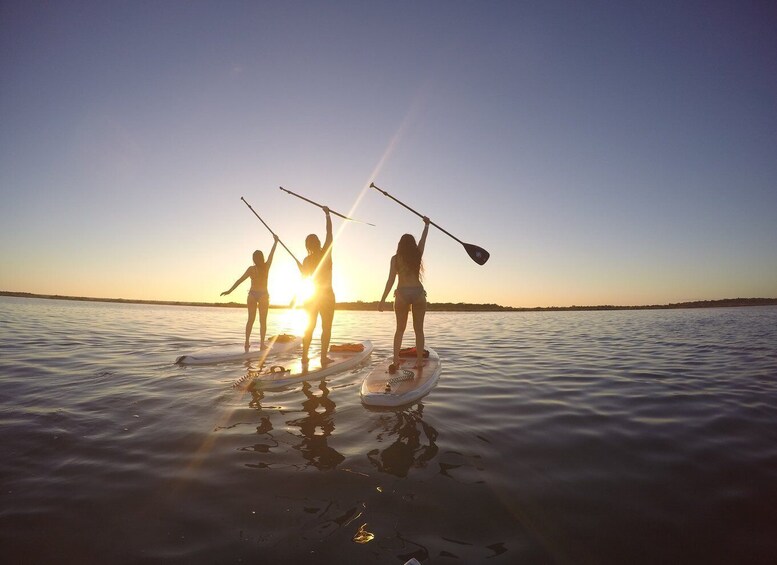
411 294
258 294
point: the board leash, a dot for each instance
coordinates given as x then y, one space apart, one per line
405 376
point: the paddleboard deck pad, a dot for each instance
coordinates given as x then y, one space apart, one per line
276 344
344 357
407 384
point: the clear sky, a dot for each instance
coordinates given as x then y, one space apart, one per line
603 152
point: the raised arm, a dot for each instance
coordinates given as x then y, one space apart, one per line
272 252
422 241
328 240
238 281
389 283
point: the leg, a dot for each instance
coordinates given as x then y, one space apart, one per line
327 316
251 304
419 311
264 306
401 309
307 337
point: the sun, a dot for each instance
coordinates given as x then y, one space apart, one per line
283 284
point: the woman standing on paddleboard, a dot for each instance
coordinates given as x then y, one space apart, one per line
318 266
410 293
258 296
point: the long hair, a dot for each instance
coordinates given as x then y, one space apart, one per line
409 255
312 244
258 258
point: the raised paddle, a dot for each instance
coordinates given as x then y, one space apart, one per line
268 227
477 254
321 206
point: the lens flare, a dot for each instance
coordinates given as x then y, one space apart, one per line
304 292
294 320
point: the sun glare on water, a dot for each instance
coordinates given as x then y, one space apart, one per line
294 321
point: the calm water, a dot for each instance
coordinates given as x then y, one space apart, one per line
586 437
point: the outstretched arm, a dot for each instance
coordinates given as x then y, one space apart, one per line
272 252
328 240
422 241
389 283
238 281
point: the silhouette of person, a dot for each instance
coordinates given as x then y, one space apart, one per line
318 267
408 267
258 296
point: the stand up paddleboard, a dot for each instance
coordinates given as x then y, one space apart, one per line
344 357
406 385
274 345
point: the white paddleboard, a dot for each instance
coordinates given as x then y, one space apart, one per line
280 376
274 345
406 385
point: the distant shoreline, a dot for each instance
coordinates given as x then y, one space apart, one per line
432 306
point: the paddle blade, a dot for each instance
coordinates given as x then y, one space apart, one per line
477 254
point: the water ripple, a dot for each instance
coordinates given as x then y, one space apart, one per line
565 437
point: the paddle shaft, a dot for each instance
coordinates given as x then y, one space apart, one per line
416 213
270 230
322 206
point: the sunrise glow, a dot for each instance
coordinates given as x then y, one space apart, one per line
587 185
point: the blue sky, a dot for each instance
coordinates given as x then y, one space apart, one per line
603 152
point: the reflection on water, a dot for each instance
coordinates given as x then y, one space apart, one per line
316 428
362 535
413 442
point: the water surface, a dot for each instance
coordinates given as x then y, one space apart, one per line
552 437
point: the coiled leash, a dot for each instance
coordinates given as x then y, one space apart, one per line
405 376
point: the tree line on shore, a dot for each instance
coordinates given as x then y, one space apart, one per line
432 306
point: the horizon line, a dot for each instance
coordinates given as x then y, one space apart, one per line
432 306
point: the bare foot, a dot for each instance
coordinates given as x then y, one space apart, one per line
247 346
326 361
